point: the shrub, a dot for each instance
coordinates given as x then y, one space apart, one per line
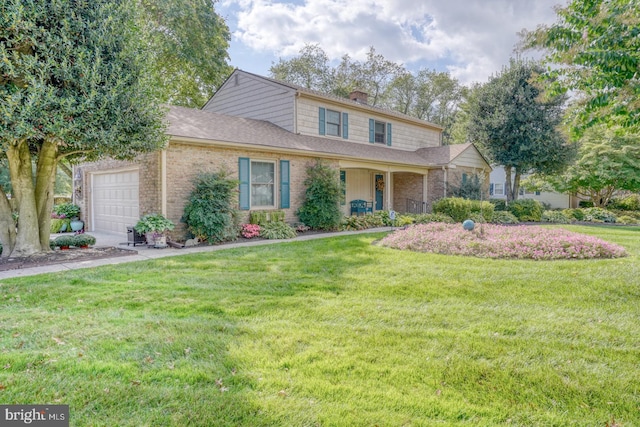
434 217
364 222
626 219
249 231
321 205
526 209
627 203
402 220
460 209
67 210
577 214
263 217
210 212
469 189
499 204
504 217
385 218
598 215
555 216
277 230
153 223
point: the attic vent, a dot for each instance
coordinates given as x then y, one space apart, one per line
359 97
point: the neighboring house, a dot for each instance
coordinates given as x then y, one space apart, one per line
265 133
551 199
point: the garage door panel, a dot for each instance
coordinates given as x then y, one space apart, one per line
115 201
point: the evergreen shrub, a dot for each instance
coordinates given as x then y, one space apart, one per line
461 209
526 209
321 205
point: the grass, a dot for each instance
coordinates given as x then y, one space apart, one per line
331 332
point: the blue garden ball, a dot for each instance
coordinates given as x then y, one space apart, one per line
468 225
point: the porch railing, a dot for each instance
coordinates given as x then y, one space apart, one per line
416 207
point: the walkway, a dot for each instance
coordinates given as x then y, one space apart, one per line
146 253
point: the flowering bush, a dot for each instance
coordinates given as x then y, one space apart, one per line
249 231
496 241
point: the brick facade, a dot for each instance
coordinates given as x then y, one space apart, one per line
407 186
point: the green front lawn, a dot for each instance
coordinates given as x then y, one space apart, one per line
330 332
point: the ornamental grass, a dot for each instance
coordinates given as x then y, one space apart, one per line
497 241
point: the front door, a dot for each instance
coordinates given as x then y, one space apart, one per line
379 186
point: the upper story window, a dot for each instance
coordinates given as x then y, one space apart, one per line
379 132
333 123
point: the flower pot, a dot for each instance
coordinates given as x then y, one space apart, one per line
64 248
63 227
77 225
157 240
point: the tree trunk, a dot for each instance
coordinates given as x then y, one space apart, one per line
7 225
45 182
516 186
507 184
27 237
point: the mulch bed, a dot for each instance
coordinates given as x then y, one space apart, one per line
61 257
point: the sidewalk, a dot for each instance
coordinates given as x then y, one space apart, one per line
146 253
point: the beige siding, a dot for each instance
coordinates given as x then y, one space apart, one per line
470 158
405 135
244 95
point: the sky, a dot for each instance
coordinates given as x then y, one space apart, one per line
471 39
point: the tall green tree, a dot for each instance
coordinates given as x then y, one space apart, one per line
188 43
608 161
517 129
594 49
310 69
73 85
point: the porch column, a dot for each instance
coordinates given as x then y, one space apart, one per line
387 191
425 190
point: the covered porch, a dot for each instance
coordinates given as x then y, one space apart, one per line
384 187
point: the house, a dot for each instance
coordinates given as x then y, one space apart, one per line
551 199
265 132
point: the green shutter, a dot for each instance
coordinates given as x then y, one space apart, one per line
245 181
389 134
284 184
464 178
321 121
372 131
345 125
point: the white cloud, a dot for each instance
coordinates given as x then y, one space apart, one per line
470 38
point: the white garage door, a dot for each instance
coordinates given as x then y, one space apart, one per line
115 201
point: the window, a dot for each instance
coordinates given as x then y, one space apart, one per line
379 132
262 183
258 181
498 189
333 123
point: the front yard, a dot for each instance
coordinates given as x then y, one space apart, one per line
331 332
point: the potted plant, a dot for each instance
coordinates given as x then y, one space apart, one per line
84 240
154 227
70 212
63 242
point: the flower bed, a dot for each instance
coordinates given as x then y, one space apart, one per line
496 241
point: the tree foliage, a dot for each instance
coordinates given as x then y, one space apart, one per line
188 43
608 161
429 95
594 49
73 85
517 129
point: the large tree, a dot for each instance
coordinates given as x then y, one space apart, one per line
188 43
608 161
594 50
514 127
73 85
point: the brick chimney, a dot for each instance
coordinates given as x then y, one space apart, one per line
359 97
